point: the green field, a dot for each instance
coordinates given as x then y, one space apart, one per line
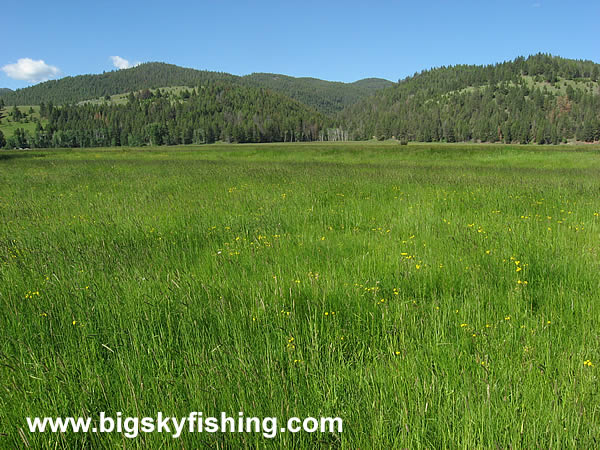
121 99
8 125
431 296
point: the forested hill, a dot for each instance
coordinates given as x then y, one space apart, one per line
325 96
542 98
5 90
85 87
215 111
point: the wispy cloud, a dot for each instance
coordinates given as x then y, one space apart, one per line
122 63
30 70
537 5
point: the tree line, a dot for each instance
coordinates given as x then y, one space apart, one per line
541 99
325 96
206 114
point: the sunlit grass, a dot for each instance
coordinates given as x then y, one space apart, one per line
431 296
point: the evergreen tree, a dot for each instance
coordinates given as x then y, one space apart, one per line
16 113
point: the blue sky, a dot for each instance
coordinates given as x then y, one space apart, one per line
335 40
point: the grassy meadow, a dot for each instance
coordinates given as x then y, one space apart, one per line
432 296
8 125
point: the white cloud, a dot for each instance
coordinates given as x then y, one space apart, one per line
29 70
122 63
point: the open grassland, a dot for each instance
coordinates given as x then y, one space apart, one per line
121 99
557 88
431 296
8 125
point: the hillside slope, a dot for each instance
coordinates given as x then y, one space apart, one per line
85 87
325 96
216 111
541 99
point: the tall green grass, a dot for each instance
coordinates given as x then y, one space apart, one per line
431 296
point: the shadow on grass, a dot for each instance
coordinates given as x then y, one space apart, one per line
5 156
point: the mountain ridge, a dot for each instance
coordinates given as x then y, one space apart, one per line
542 98
326 96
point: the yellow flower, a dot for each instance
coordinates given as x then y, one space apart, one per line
74 322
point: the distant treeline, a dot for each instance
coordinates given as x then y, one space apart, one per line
215 111
85 87
540 99
325 96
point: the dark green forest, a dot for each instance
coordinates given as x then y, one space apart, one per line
325 96
203 115
328 97
84 87
540 99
